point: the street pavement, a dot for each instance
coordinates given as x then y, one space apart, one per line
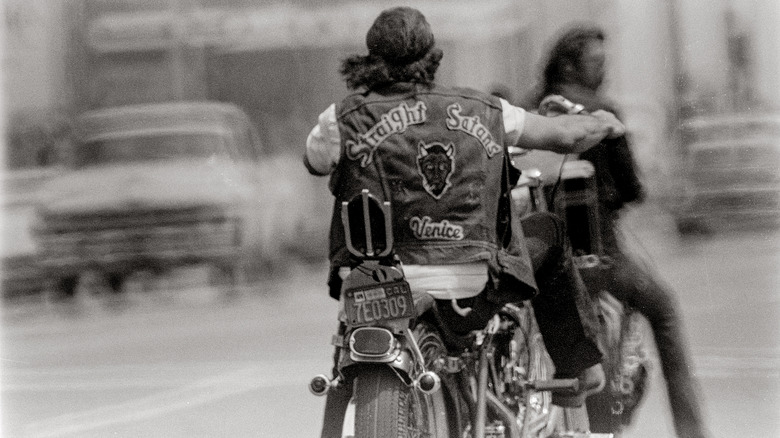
177 358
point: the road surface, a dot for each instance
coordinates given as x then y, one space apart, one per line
178 359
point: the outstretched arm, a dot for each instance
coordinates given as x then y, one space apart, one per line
569 133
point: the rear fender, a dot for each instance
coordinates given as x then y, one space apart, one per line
403 361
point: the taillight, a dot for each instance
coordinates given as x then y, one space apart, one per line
372 342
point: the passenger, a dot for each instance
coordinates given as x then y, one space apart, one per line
438 154
575 70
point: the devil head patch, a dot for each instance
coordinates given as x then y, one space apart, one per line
436 163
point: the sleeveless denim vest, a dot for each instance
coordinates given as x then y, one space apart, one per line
437 154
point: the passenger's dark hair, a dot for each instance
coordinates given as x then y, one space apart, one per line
401 48
567 50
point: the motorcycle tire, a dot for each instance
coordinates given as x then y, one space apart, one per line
385 406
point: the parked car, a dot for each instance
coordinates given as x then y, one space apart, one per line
152 187
732 172
21 275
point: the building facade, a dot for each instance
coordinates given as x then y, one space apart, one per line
279 60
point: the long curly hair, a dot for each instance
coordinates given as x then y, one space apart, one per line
374 72
401 48
567 52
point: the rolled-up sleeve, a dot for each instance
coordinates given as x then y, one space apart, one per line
323 146
514 121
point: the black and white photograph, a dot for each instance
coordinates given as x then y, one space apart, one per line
387 219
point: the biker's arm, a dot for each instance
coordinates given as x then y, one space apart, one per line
323 145
569 133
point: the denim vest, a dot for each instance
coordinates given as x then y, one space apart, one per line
438 155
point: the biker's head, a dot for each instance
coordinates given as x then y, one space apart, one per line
401 48
578 56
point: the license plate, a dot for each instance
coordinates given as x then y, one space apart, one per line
379 303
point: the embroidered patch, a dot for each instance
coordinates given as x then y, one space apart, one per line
472 126
425 229
392 122
436 163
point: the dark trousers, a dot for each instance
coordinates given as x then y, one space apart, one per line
636 285
565 314
564 311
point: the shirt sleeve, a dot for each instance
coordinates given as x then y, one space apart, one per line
323 146
514 121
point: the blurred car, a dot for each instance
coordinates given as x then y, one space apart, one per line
151 187
21 275
732 172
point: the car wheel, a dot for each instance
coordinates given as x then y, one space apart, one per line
116 281
229 274
228 277
692 227
65 288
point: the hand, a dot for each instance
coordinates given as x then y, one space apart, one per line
615 126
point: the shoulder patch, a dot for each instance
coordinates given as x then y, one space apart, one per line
392 122
472 126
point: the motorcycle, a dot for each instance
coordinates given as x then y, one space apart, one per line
407 374
573 196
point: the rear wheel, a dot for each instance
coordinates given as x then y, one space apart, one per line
385 406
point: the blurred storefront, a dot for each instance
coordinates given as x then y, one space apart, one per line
36 96
279 61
